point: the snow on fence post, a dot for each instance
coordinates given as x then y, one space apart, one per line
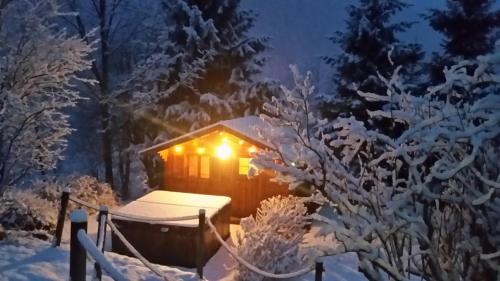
60 218
101 237
77 254
319 269
200 253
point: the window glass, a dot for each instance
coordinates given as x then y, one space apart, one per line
244 166
193 166
204 167
178 165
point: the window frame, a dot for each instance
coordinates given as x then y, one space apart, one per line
200 160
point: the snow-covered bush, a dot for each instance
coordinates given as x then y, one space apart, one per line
89 189
423 202
271 241
35 209
25 210
85 188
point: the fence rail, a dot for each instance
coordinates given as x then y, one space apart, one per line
97 255
81 244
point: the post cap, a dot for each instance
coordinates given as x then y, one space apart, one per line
78 215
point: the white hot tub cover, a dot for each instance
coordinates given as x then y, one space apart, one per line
158 204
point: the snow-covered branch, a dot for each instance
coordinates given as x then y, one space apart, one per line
423 200
38 73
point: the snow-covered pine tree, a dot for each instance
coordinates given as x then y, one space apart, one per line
469 27
39 69
365 45
230 75
204 70
422 205
165 99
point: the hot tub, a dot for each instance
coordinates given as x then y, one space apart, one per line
174 242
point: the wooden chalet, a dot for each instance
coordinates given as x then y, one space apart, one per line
214 160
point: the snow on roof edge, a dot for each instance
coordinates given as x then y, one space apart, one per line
242 125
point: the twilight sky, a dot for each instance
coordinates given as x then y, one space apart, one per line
299 31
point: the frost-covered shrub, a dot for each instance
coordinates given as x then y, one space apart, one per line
35 209
419 203
85 188
271 241
89 189
39 67
26 210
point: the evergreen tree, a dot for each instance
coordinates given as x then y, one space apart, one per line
370 46
206 64
469 28
202 71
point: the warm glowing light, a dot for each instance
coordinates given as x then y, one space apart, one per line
252 149
178 149
200 150
223 151
225 139
164 154
241 142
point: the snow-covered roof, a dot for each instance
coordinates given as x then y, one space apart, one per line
244 127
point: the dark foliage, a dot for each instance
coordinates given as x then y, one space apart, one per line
367 42
469 28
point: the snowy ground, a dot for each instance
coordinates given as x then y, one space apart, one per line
24 259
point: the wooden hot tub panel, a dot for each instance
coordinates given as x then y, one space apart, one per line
171 244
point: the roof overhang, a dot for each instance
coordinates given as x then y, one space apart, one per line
217 127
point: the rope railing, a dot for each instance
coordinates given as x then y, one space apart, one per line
98 256
252 267
83 203
133 217
152 220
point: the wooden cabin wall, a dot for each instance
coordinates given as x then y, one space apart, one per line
225 180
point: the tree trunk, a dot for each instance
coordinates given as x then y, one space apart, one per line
107 149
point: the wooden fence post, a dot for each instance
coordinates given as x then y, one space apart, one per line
101 219
77 254
318 276
60 218
200 253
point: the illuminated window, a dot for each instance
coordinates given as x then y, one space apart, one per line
192 166
204 167
178 165
244 166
